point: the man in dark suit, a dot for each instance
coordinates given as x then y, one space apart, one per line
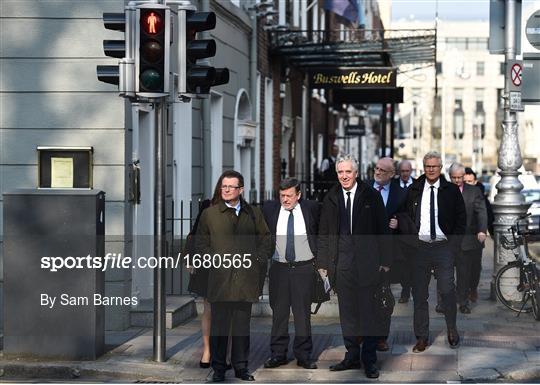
405 171
353 250
470 178
393 196
437 209
405 265
475 235
294 224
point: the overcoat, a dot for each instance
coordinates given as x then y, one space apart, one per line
475 207
369 229
223 234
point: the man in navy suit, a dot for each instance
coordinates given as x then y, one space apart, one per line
393 197
294 224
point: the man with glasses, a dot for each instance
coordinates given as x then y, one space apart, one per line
393 197
475 235
436 208
235 237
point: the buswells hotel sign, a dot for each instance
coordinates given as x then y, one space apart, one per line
354 77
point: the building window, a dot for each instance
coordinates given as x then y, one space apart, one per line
502 68
479 68
438 67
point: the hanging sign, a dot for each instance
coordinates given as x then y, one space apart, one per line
379 77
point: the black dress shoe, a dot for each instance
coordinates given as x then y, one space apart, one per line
345 365
218 377
421 345
274 362
382 346
372 371
244 376
453 339
403 300
465 309
307 364
204 365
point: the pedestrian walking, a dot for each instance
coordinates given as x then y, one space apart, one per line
352 252
294 224
393 196
475 236
229 232
437 209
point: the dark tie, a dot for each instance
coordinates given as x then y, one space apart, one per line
432 233
290 255
348 209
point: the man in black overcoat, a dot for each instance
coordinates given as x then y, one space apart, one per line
352 252
437 210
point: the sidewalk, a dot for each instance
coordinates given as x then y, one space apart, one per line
495 346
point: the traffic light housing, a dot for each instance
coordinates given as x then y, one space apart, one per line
112 48
152 50
196 79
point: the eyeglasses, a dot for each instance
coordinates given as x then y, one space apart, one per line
381 169
230 187
431 167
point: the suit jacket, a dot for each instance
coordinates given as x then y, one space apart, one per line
476 217
396 197
310 212
369 229
452 217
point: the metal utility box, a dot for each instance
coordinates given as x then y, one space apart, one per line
530 87
40 225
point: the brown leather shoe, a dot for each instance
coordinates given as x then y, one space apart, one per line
382 346
421 345
473 295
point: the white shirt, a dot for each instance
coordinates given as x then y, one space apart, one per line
301 244
325 165
425 233
405 184
353 192
236 208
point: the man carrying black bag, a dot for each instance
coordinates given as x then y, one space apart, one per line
353 250
293 222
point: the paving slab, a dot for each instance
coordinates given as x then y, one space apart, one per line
486 358
480 375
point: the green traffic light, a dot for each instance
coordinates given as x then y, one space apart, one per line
151 79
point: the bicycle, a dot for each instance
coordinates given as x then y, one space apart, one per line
518 282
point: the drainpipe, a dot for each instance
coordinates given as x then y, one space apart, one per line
206 127
253 84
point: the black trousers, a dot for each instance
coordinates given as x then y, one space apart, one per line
464 273
406 274
356 315
441 258
230 318
476 269
291 288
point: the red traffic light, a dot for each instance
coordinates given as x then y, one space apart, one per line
151 22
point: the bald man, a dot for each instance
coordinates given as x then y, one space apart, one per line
393 197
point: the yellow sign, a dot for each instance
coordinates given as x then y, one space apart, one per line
62 172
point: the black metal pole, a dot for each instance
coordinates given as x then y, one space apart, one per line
392 128
159 234
383 131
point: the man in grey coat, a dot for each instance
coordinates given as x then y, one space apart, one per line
475 234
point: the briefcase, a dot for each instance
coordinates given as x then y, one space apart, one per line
319 294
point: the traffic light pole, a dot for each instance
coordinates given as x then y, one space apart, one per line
160 249
509 204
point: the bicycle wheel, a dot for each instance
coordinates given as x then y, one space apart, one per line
511 290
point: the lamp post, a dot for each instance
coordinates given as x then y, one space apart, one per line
509 203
